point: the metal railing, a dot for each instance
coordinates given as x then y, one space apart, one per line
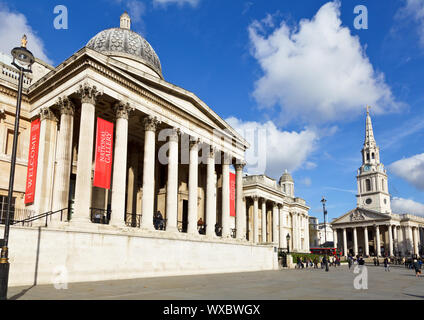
133 220
47 215
183 226
100 216
16 215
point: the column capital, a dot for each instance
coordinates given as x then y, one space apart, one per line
239 165
174 134
122 110
89 93
255 198
194 142
66 106
212 150
2 113
47 114
150 123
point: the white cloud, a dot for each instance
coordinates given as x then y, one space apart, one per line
193 3
317 71
136 9
402 206
272 150
411 169
414 9
306 181
13 25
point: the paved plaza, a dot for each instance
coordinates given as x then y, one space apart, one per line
305 284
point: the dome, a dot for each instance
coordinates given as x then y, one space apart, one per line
125 43
286 177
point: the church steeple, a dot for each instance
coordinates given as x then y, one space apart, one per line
373 193
369 133
370 152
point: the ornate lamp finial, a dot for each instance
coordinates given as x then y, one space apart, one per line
24 41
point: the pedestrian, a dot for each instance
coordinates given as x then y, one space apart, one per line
375 261
349 261
387 264
417 268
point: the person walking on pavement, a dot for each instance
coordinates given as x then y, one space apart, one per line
386 264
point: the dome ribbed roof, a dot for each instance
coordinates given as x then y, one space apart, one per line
286 177
126 43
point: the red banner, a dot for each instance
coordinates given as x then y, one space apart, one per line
32 161
104 147
232 194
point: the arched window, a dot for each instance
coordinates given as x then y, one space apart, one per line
368 156
373 155
368 184
382 184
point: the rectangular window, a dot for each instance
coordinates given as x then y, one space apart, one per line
9 143
3 208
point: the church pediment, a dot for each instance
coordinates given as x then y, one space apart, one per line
360 215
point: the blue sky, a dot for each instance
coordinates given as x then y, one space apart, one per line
299 69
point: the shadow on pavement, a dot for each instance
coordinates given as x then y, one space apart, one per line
21 294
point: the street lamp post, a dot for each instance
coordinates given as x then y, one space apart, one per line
22 60
288 242
323 201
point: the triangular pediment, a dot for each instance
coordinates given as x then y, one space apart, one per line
361 215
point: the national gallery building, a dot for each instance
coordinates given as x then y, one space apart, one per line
372 229
121 174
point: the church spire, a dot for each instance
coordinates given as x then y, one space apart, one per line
369 132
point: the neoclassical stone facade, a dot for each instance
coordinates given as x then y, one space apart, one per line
273 212
171 154
372 229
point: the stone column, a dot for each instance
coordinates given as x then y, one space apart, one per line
240 217
410 239
63 158
119 186
148 200
263 220
401 241
89 95
415 235
389 227
395 240
210 194
345 243
283 240
255 220
275 223
226 232
172 184
377 236
193 185
355 242
46 155
367 247
335 238
132 183
294 231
